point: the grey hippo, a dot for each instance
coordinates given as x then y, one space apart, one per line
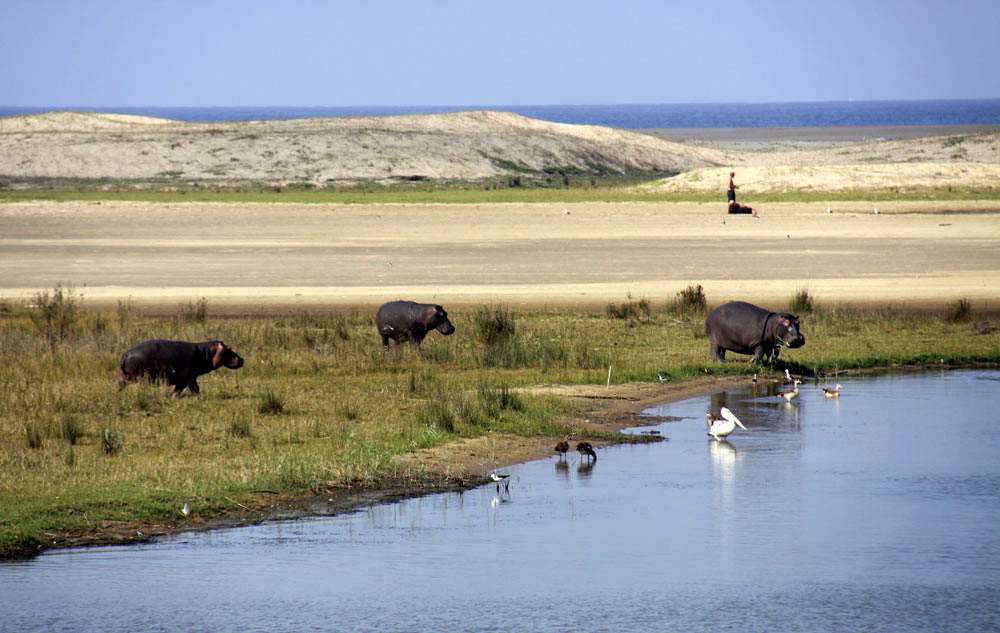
408 321
178 362
744 328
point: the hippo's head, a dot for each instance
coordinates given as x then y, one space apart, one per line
225 357
786 331
438 320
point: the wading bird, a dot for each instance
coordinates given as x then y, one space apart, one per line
561 448
498 479
832 393
792 393
585 449
720 427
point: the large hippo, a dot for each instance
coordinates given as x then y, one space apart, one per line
178 362
744 328
408 321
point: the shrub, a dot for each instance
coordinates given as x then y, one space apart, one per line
630 310
55 314
959 312
494 326
72 430
271 402
801 302
194 312
112 441
691 299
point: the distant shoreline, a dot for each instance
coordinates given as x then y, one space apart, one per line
831 135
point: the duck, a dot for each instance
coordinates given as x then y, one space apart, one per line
585 449
561 448
720 426
832 393
792 393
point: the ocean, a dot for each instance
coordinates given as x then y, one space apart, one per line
630 116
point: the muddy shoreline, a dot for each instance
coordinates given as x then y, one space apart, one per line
611 409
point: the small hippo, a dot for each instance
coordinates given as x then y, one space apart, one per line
744 328
178 362
408 321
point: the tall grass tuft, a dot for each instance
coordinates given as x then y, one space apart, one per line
801 302
72 430
630 310
959 312
35 435
124 312
494 325
691 300
112 441
55 314
271 402
194 311
239 427
493 400
438 414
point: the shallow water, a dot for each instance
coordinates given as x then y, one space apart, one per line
875 512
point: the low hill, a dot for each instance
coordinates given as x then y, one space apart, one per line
126 150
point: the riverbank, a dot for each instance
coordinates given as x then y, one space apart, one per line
322 420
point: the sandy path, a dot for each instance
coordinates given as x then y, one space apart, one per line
311 255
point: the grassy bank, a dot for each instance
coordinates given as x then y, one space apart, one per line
471 194
319 406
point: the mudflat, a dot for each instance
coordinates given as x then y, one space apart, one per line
316 255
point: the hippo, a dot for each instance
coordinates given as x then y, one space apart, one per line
408 321
178 362
744 328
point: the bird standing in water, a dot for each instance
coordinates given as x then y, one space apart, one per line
561 448
832 393
792 393
585 449
720 426
498 478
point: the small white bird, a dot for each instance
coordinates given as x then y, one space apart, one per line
565 211
662 378
498 478
185 510
792 393
721 427
788 376
829 210
832 393
876 210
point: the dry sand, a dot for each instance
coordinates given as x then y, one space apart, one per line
271 257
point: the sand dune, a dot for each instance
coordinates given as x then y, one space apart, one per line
463 146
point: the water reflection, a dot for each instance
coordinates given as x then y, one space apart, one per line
585 468
562 468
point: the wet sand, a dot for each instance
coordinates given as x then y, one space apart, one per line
270 257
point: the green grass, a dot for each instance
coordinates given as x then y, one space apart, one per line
348 406
466 193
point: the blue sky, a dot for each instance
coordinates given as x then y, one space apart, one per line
457 52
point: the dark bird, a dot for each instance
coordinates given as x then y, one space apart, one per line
584 448
561 448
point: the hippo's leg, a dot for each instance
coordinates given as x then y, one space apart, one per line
760 355
178 388
716 352
193 387
385 341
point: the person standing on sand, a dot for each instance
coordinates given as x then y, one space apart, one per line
735 207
